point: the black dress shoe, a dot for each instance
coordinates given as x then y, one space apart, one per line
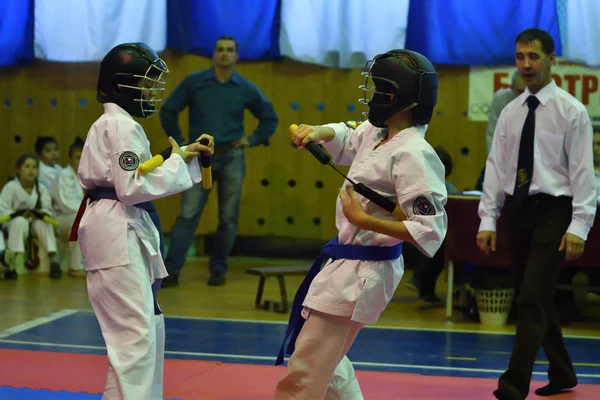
169 281
502 394
216 280
552 389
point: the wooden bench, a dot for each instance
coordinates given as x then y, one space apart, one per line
279 273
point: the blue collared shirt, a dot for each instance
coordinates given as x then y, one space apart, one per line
218 108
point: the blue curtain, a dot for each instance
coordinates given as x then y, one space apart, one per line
474 32
16 32
194 26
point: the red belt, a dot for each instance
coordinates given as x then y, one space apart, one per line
73 235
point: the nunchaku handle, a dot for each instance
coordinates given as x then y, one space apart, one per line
160 158
318 153
381 201
43 216
12 215
316 150
206 169
359 188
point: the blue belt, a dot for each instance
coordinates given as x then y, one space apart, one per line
98 193
334 251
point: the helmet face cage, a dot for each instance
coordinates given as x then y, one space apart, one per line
151 87
377 92
383 93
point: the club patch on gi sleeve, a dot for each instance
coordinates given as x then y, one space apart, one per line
353 124
422 206
129 161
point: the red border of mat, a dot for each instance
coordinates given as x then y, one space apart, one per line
205 380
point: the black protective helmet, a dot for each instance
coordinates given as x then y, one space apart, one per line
399 80
130 75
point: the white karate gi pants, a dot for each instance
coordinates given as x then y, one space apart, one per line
135 337
318 368
18 231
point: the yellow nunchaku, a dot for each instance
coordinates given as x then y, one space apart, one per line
360 188
158 159
45 217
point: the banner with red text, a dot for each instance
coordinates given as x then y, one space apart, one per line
578 80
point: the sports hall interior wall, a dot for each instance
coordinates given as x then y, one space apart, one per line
286 193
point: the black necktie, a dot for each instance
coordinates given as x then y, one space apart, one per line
525 163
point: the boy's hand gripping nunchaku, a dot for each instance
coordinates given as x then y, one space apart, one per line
360 188
158 159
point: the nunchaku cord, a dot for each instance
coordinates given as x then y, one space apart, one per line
360 188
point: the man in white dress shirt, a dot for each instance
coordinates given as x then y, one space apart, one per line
541 169
597 158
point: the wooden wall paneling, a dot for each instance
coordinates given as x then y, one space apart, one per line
86 108
8 130
49 81
23 138
290 101
68 106
443 129
471 149
255 198
344 91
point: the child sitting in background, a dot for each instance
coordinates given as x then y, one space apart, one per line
3 261
46 149
67 194
27 202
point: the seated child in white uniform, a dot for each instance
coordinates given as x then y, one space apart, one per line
46 150
67 194
27 202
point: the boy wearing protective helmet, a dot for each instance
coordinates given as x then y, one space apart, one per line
361 268
119 231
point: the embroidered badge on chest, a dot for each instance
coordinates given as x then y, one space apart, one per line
422 206
129 161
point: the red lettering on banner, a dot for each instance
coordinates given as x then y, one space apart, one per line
557 79
498 81
590 85
572 79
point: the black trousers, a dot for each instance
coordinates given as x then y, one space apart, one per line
534 230
428 270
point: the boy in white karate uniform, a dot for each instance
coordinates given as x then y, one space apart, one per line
67 194
46 149
357 273
27 201
119 232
